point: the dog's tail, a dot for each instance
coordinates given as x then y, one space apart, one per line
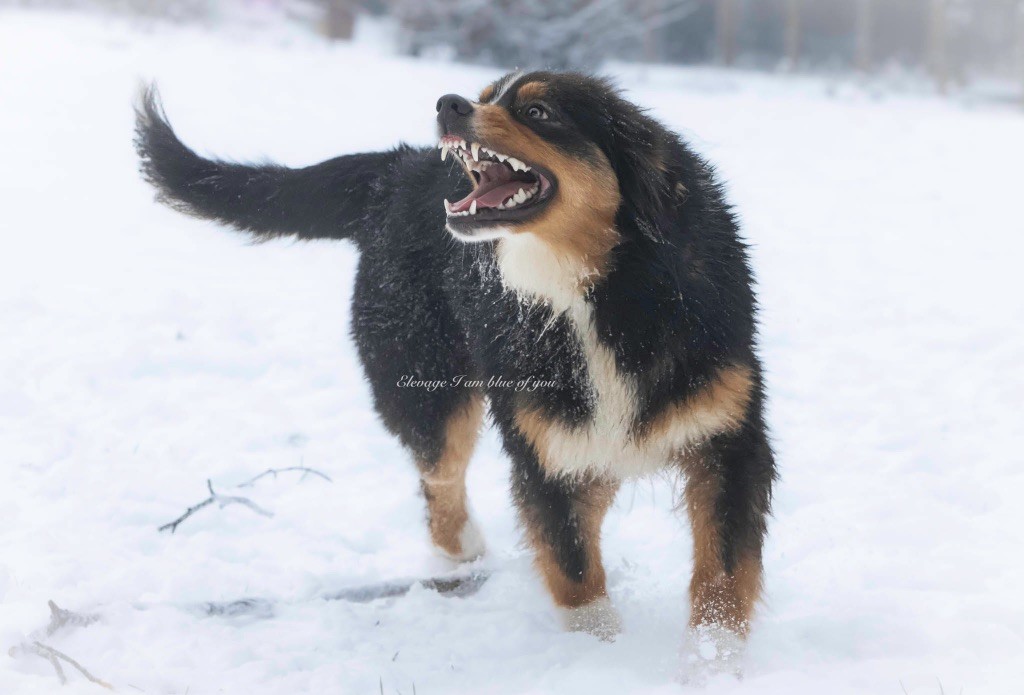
326 200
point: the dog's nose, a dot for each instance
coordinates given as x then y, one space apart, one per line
451 108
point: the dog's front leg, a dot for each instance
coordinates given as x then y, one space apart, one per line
562 519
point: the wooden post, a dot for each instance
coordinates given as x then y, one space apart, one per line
1020 47
793 29
938 58
865 22
725 31
340 20
652 33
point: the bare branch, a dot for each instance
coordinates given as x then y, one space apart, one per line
173 525
221 500
54 656
60 617
225 500
458 586
56 667
274 471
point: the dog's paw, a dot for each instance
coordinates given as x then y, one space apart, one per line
470 544
599 618
710 651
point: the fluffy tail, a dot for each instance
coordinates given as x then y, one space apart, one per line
326 200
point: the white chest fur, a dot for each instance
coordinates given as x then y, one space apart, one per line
606 444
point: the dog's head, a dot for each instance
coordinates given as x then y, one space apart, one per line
553 154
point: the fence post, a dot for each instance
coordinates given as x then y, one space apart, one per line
793 28
340 19
938 58
865 22
1020 48
725 30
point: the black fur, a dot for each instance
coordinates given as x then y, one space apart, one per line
676 305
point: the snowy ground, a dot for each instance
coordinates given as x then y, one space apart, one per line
144 352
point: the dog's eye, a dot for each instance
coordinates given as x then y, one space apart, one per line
537 113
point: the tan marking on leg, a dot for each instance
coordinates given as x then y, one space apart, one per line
444 486
716 597
572 592
579 223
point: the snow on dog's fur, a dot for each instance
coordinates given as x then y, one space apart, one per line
561 236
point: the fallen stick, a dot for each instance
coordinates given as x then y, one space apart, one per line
275 471
225 500
459 586
221 500
54 656
60 617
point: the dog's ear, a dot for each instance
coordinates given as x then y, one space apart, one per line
639 160
639 150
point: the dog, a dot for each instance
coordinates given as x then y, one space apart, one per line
568 264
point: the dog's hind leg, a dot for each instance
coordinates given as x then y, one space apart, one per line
418 364
443 479
728 496
562 518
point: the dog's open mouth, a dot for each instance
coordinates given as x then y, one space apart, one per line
504 188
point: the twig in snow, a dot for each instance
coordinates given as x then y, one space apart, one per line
458 586
60 617
55 657
274 471
221 500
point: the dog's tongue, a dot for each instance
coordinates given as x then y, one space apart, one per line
496 186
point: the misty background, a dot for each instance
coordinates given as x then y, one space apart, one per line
953 46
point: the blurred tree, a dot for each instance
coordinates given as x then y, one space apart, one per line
953 40
340 19
534 33
652 48
725 31
1019 45
938 50
864 30
793 9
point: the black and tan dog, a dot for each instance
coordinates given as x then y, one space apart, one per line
567 262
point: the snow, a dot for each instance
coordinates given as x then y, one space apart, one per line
144 353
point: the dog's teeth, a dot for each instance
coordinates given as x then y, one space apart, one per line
520 196
475 148
501 157
510 203
472 208
444 152
515 163
447 206
501 206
